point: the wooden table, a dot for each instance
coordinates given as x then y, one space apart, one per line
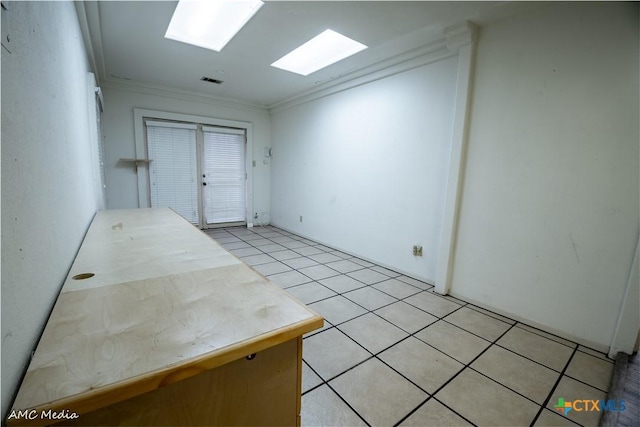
157 324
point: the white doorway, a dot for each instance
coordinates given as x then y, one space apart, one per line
223 176
201 170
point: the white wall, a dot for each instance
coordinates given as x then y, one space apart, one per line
49 195
550 209
366 168
122 184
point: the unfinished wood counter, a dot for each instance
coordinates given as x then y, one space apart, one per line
157 324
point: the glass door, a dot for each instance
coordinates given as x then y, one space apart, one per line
173 178
224 178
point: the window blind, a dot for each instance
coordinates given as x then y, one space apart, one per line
224 168
173 167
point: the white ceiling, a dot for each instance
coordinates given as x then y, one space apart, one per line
129 45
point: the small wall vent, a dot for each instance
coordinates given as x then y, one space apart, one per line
210 80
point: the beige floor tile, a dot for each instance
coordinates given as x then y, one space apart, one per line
434 414
308 250
370 298
331 352
492 314
310 292
342 255
432 303
451 340
300 262
372 332
380 395
522 375
422 364
396 288
591 370
552 337
414 282
342 283
295 245
406 316
322 407
368 276
478 323
485 402
272 247
245 252
272 268
318 272
254 260
542 350
337 309
548 418
344 266
309 378
280 239
594 353
288 279
570 390
235 245
361 262
385 271
284 255
325 248
324 257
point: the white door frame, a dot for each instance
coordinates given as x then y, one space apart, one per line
139 114
204 225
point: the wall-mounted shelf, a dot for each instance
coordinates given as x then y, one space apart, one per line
136 162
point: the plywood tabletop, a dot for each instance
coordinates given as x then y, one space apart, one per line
165 303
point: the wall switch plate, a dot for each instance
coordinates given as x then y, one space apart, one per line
300 218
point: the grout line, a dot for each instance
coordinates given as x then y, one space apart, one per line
585 383
454 411
444 319
527 357
466 365
503 385
604 359
545 334
432 397
553 389
419 290
349 405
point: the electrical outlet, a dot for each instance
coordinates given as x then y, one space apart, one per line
417 250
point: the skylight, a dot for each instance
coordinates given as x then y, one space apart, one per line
321 51
210 24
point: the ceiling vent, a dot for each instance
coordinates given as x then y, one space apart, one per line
210 80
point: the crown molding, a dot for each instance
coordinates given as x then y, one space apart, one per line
461 34
426 54
158 90
89 20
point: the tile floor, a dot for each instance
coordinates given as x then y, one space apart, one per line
393 352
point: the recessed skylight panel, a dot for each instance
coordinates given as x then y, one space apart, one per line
321 51
210 24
